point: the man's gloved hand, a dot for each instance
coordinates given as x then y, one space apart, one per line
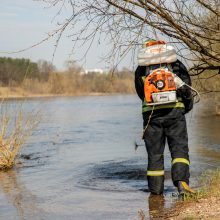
185 93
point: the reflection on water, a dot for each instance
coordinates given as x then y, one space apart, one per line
18 196
156 205
81 162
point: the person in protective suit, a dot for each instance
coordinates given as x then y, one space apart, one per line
166 123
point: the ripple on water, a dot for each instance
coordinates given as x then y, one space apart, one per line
119 176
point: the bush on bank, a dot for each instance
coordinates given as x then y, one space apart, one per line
15 127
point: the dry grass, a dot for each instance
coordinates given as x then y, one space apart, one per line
204 205
65 83
210 182
16 127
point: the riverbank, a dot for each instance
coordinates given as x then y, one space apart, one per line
205 205
19 93
69 84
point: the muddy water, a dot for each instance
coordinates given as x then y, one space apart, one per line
80 163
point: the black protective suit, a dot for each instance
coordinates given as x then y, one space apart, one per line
167 122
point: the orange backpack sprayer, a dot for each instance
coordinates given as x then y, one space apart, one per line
160 87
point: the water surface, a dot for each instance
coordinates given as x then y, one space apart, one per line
80 163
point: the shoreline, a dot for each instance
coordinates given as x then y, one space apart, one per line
204 205
203 208
32 96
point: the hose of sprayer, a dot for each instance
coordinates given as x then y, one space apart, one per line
148 122
197 93
179 83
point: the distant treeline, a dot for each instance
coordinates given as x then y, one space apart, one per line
15 71
42 78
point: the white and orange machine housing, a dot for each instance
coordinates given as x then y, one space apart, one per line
159 86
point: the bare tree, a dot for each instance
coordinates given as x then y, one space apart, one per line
45 68
193 25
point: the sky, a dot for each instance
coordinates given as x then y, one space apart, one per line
24 23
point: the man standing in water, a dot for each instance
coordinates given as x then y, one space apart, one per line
165 121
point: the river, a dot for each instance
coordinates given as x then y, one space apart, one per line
80 162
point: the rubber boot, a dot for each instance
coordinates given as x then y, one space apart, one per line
184 189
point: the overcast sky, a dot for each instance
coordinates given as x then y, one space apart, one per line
26 22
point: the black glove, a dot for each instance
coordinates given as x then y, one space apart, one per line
186 94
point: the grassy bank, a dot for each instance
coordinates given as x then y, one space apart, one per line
69 84
204 205
20 94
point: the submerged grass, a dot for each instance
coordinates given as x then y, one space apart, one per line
15 127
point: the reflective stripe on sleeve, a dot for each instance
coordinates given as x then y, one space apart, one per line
155 173
180 160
